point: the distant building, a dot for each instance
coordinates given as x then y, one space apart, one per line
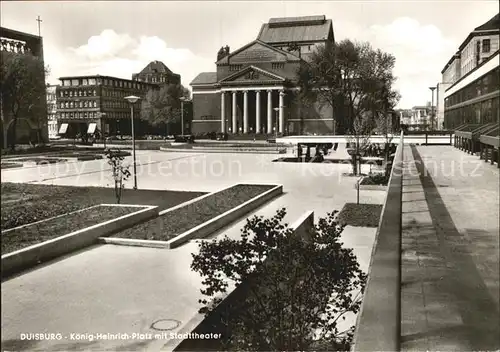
98 102
470 79
420 117
52 110
253 87
156 72
13 42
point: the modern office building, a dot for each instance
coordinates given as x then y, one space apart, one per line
471 78
252 89
28 128
52 110
86 103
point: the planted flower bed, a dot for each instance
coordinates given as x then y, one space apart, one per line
26 203
48 229
180 220
378 179
362 215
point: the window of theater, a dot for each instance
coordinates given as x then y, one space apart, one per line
234 68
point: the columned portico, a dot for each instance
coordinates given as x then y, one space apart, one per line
244 119
235 127
269 111
257 112
245 111
223 112
282 112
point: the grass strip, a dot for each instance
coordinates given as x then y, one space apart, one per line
185 218
52 228
362 215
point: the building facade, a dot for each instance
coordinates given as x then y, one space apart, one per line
156 72
471 93
28 129
52 110
85 102
253 87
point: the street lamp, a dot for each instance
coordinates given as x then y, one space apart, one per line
182 99
432 107
132 99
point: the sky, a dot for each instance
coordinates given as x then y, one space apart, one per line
119 38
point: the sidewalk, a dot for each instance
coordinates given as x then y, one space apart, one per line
450 260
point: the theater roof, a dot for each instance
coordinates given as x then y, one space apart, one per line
205 78
296 29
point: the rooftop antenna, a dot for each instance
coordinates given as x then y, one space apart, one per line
39 21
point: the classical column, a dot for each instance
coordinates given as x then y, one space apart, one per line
235 127
269 112
222 112
282 112
257 111
245 111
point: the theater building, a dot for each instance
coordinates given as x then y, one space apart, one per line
253 88
473 79
87 103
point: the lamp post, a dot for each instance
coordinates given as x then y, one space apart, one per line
432 107
132 99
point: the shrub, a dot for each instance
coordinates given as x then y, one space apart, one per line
294 290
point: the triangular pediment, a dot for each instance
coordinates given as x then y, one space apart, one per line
252 73
257 51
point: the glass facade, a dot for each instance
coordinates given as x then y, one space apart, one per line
476 103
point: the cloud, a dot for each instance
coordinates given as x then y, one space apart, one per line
120 55
106 44
421 52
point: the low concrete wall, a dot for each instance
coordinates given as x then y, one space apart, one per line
379 321
205 229
228 217
28 257
202 324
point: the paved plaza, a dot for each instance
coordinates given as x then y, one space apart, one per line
450 279
450 261
126 289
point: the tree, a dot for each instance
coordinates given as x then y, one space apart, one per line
162 106
119 171
295 290
23 92
348 76
358 139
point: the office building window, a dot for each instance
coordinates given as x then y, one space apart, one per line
486 45
85 82
74 82
92 81
95 104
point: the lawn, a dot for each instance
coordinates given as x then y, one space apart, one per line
362 215
183 219
56 227
26 203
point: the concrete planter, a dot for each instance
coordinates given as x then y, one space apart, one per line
28 257
370 187
205 229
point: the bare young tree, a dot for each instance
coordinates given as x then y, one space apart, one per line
119 171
